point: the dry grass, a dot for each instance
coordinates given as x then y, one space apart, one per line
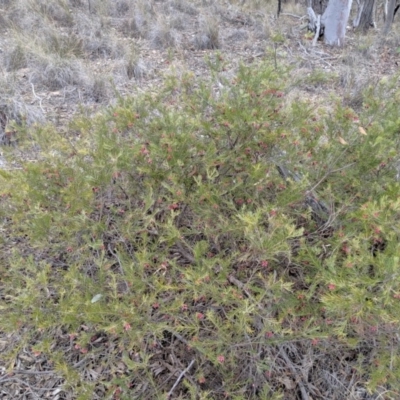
208 35
55 73
162 36
14 109
15 58
73 37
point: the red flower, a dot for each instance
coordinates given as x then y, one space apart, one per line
199 315
173 206
221 359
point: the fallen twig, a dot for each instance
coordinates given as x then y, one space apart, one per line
28 372
37 97
240 285
185 254
179 378
294 15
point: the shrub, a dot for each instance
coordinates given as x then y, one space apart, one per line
189 244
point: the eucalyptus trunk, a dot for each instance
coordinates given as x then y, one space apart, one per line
365 15
335 20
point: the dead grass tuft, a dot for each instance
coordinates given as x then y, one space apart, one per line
15 59
57 11
100 91
208 35
64 45
135 68
12 112
15 110
179 22
162 36
77 3
129 27
102 46
120 8
97 39
354 83
183 6
55 73
238 35
134 23
131 66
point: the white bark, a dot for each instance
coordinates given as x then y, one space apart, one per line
318 30
335 20
390 6
314 23
312 19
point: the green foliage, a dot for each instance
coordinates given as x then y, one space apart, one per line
161 232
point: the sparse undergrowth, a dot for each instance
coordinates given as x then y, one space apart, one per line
61 54
192 245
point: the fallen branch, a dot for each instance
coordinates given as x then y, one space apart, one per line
179 378
242 287
293 15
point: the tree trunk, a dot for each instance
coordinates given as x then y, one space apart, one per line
365 15
390 10
319 6
335 20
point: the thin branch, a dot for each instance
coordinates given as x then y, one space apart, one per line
242 287
329 173
294 15
123 191
37 97
185 254
179 378
181 338
81 362
28 372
